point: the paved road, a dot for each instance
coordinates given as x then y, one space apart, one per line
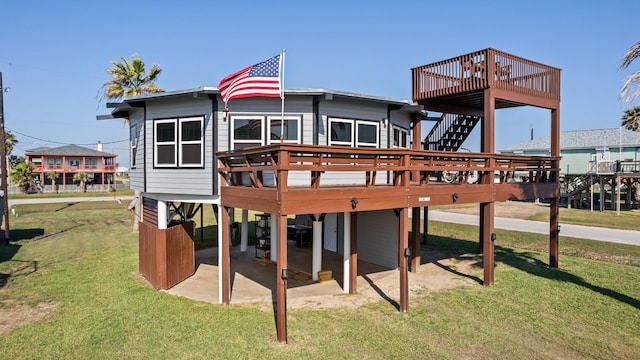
539 227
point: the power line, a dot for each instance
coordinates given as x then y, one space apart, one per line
63 143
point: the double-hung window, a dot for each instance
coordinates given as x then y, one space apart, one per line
400 136
133 138
190 142
354 133
247 131
290 130
261 130
178 142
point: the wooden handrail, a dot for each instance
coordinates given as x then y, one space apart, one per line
318 160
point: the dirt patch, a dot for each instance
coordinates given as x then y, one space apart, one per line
14 315
508 209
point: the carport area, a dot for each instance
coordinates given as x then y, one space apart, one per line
253 280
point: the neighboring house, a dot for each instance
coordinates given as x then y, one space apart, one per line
68 160
354 164
580 149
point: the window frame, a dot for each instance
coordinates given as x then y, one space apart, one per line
354 132
181 142
405 135
232 137
177 142
133 145
165 143
297 119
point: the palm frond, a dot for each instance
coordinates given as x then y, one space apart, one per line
631 119
632 81
631 54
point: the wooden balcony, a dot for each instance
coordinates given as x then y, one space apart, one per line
301 179
73 169
460 81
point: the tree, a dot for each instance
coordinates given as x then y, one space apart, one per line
129 79
52 175
15 160
82 179
9 142
22 175
631 118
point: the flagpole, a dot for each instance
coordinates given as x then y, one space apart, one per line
282 95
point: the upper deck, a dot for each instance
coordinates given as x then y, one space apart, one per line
461 80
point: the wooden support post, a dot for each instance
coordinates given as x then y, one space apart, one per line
403 246
554 211
353 261
415 239
487 239
425 225
554 232
225 267
281 296
487 145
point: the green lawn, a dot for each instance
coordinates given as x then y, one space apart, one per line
76 264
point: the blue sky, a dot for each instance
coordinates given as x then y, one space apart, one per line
53 54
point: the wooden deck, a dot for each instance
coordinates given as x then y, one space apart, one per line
412 178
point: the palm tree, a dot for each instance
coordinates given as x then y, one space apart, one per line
631 118
10 142
129 79
82 179
52 175
22 175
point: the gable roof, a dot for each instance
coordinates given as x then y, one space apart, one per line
67 150
583 139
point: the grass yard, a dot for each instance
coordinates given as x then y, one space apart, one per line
69 289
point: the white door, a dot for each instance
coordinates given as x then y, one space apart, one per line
331 232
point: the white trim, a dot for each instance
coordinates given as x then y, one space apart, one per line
401 131
246 117
165 143
354 132
377 132
336 142
286 118
191 142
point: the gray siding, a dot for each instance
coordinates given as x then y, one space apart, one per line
357 110
188 181
378 237
136 129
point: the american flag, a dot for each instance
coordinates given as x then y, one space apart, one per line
262 79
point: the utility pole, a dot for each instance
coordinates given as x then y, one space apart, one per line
3 164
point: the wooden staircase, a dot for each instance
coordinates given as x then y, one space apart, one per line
450 132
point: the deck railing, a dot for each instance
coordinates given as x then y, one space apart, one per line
271 165
73 168
483 69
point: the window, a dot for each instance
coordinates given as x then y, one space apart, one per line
400 136
74 162
247 131
367 134
133 138
191 142
178 142
165 143
290 131
342 133
90 163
